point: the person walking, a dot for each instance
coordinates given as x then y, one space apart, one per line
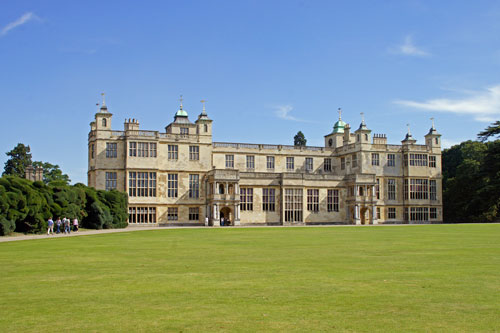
67 228
75 224
206 221
58 225
50 224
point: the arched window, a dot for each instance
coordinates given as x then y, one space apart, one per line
103 122
230 189
437 141
221 189
206 128
366 137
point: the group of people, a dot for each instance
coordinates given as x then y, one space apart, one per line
63 225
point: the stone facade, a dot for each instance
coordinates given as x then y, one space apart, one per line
182 177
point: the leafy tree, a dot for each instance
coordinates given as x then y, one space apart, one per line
20 158
299 139
52 173
492 130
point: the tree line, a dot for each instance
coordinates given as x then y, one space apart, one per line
25 206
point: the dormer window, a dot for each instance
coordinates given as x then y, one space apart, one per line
184 130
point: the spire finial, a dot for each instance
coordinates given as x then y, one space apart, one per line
362 118
203 102
103 99
181 99
340 113
409 133
432 119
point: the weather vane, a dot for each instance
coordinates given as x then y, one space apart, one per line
340 113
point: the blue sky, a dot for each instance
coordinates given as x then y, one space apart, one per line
266 68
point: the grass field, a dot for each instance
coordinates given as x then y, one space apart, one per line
391 278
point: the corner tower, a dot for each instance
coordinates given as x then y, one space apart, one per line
335 139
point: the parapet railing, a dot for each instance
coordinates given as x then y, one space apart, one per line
264 146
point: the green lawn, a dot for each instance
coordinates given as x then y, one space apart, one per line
391 278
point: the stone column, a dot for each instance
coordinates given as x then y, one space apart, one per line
215 217
374 215
357 220
236 214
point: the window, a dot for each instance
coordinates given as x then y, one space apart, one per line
391 213
419 213
172 185
184 131
132 149
313 200
194 213
268 199
206 127
342 163
152 149
354 161
142 214
270 162
391 160
250 162
432 161
405 159
378 213
104 122
194 153
110 150
405 212
194 186
418 189
432 190
437 141
172 213
293 205
290 163
92 151
309 164
327 165
418 159
377 189
332 201
229 161
375 159
433 213
391 189
246 198
173 152
142 184
366 137
110 181
142 149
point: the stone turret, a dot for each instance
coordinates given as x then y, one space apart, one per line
433 138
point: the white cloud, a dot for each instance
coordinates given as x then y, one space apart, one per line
20 21
409 48
283 112
448 143
482 105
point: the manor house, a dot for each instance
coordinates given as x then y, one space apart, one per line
180 176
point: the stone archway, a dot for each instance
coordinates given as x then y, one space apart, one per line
362 215
227 214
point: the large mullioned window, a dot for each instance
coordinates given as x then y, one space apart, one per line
141 184
250 162
332 201
313 200
391 160
391 189
268 199
173 185
290 163
110 181
418 189
194 153
418 159
327 164
194 186
173 152
111 150
293 205
230 161
141 214
270 162
246 198
375 159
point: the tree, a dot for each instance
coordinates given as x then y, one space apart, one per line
20 158
299 139
52 173
492 130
